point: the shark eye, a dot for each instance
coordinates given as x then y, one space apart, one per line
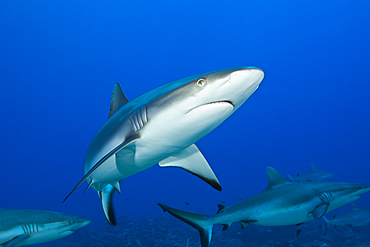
201 83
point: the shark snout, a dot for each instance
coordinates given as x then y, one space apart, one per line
242 83
364 188
354 189
80 222
249 77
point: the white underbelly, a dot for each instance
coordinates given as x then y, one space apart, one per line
145 156
290 216
131 160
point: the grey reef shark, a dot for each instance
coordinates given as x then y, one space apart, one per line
355 217
161 126
313 175
24 227
281 203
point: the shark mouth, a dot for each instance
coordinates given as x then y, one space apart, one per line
221 102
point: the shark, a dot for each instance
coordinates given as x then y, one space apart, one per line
314 174
281 203
161 127
24 227
355 217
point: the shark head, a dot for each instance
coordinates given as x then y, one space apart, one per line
232 86
344 193
196 105
24 227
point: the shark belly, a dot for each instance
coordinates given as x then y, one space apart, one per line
341 201
164 137
10 234
46 236
288 216
160 138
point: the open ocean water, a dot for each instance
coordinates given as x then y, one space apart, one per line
59 61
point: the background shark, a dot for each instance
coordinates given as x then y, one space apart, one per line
161 126
281 203
23 227
314 174
355 217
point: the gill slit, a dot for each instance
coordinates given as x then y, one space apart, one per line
139 118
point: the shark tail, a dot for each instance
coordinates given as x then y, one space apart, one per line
198 221
326 224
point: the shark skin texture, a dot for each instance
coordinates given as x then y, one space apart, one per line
313 175
281 203
24 227
161 127
355 217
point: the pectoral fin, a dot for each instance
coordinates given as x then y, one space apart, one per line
319 211
220 208
244 223
15 241
226 226
192 160
105 158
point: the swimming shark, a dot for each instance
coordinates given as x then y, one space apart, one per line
281 203
355 217
23 227
314 174
161 126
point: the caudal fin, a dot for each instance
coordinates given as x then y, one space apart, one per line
198 221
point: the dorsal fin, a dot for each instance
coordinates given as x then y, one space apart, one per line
118 99
313 167
274 178
353 206
220 208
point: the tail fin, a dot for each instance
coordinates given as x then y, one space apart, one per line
105 196
326 224
198 221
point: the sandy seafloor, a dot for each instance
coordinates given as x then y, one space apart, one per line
166 231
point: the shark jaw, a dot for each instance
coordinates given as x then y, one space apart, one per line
215 103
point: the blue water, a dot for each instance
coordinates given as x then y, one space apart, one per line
59 61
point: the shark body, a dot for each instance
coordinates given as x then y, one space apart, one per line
24 227
355 217
161 126
313 175
281 203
